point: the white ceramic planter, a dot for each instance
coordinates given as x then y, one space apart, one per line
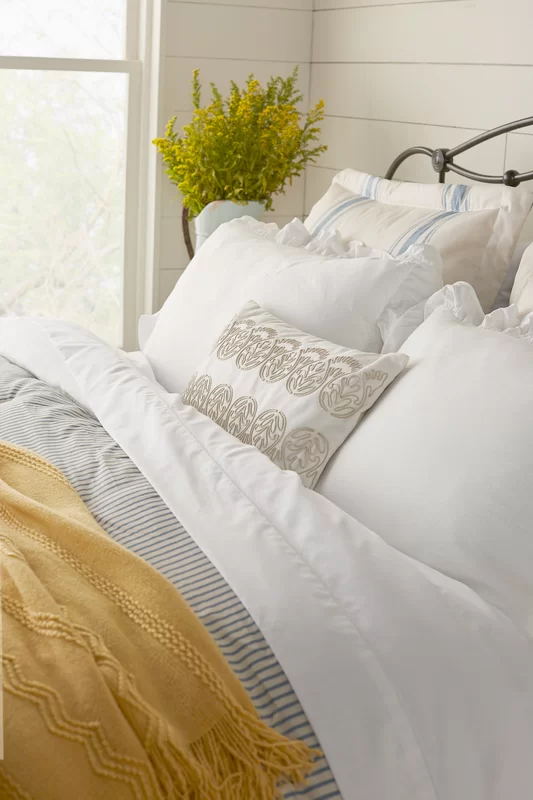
221 211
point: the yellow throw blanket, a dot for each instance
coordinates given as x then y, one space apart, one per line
112 688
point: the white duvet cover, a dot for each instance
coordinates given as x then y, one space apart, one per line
417 689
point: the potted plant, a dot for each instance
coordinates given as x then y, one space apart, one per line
239 151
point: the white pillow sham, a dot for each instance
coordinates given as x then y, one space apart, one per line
474 228
503 298
291 395
522 291
442 467
340 298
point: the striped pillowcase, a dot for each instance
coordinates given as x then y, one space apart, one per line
474 228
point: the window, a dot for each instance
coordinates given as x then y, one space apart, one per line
70 95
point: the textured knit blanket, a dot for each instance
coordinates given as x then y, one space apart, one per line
112 686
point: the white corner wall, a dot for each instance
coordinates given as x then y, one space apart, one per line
399 73
226 41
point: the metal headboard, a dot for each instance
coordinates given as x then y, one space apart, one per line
442 159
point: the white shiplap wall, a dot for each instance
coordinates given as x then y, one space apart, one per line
398 73
226 41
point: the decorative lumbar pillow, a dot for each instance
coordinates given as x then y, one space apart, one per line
291 395
353 297
474 228
442 467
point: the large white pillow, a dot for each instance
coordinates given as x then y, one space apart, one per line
442 467
503 298
291 395
339 298
474 228
522 291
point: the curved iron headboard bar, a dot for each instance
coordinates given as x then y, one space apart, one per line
398 161
509 127
442 159
476 176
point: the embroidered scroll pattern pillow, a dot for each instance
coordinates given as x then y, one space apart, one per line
291 395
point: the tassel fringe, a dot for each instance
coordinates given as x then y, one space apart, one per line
228 763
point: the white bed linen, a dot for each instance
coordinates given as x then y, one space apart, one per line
354 298
474 228
522 291
416 688
441 468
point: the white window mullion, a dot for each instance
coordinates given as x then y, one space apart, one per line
131 216
66 64
133 30
151 33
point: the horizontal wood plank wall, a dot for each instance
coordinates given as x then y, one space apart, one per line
398 73
226 41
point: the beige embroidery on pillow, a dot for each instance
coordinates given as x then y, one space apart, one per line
302 450
306 369
341 389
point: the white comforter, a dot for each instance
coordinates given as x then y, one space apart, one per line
416 688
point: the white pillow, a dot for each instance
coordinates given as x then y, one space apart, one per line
474 228
522 291
291 395
503 298
442 467
340 298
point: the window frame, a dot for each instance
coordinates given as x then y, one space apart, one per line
140 63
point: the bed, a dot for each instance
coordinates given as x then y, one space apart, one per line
49 422
409 681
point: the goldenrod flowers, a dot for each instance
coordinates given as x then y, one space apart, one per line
244 147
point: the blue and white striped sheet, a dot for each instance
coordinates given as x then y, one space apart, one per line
50 423
455 200
473 228
456 197
328 220
421 232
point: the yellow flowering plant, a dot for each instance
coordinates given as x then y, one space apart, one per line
245 147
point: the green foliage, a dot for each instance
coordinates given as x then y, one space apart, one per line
245 147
